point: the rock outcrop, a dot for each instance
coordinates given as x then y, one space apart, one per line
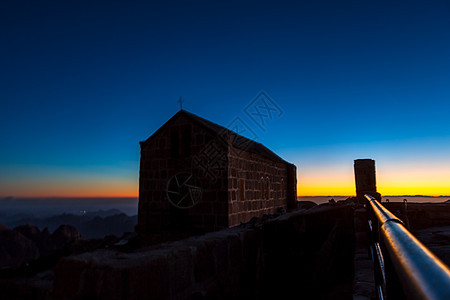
26 243
90 225
437 240
15 248
64 235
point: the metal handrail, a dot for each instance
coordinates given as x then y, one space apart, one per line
421 273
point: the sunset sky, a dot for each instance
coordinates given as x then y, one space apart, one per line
82 82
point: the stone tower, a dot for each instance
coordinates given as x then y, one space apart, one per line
365 178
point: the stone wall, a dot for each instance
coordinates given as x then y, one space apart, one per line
256 186
235 185
159 162
418 216
303 253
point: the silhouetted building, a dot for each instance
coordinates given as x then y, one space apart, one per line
365 178
197 176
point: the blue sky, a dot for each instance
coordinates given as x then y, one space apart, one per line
82 83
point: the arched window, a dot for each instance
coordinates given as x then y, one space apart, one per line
267 187
282 187
261 183
242 189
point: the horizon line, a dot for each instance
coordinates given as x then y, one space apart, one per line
118 197
431 196
66 197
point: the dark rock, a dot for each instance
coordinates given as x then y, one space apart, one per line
29 231
437 240
40 239
65 235
306 204
15 248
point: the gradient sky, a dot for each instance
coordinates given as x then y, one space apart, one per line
82 82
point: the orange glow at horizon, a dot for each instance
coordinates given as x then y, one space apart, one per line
431 179
78 189
325 181
420 178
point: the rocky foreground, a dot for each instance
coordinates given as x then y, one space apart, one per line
437 240
26 243
253 260
315 244
28 256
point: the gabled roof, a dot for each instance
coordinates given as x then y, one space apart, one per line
238 141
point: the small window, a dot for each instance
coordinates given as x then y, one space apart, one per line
242 189
282 188
261 183
267 188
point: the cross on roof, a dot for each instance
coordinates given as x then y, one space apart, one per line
181 102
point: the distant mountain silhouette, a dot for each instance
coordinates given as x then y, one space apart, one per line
91 225
111 225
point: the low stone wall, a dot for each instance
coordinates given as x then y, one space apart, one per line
251 260
418 216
